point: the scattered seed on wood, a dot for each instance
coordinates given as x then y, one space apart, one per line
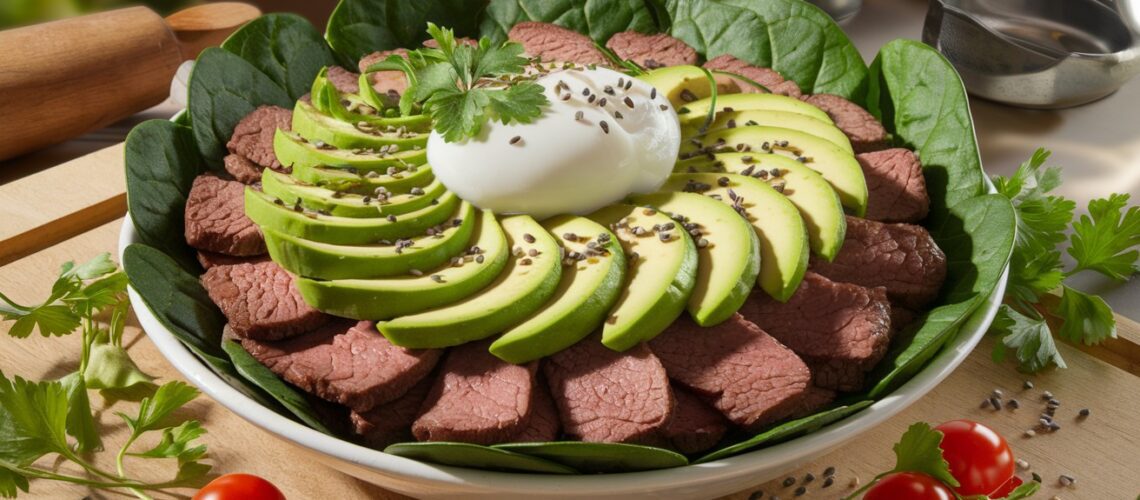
1036 477
1022 464
1028 384
828 472
605 126
827 482
800 491
995 403
789 481
516 139
1084 412
1066 480
1030 433
1014 404
809 477
756 495
1046 395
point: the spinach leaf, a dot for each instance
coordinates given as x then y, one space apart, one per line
790 36
475 456
598 20
601 457
223 89
260 376
360 27
286 47
787 430
162 161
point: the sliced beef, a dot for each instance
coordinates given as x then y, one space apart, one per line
607 396
543 423
895 185
839 329
391 422
345 81
814 399
477 398
245 171
903 258
695 426
864 131
901 317
211 259
735 367
769 78
253 135
392 83
215 218
551 42
346 362
260 301
651 51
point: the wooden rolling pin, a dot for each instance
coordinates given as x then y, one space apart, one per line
61 79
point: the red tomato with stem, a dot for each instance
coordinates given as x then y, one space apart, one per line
980 459
909 486
239 487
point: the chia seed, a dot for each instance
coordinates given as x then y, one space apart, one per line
827 482
828 472
391 218
515 139
1084 412
1066 480
415 272
479 259
628 102
789 481
437 278
605 126
800 491
525 262
527 237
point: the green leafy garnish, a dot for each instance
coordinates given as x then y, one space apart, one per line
463 86
1103 241
917 451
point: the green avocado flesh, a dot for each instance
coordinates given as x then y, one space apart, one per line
264 211
783 119
817 202
520 290
778 225
586 291
672 81
727 265
659 278
342 179
312 259
836 165
695 112
293 151
380 299
316 126
290 191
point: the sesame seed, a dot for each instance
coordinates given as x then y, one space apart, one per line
628 102
800 491
688 96
479 259
516 139
1066 480
525 262
1027 384
618 115
415 272
1084 412
608 89
809 477
578 116
653 93
605 126
529 238
391 218
788 481
437 278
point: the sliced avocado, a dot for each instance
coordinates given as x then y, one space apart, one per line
292 151
348 180
783 119
524 286
816 200
316 126
839 167
672 81
264 210
484 260
658 280
316 198
728 258
778 225
326 261
586 291
695 112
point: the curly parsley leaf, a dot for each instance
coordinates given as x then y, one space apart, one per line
1087 318
918 451
1029 338
458 114
1104 240
521 103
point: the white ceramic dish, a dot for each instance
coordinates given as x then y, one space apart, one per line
431 481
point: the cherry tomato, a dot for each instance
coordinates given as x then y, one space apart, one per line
1007 488
908 486
239 487
979 458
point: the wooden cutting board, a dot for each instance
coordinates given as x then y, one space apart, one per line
42 228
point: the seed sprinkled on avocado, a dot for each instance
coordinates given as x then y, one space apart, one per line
415 272
688 96
529 238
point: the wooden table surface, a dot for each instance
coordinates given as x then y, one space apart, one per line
74 212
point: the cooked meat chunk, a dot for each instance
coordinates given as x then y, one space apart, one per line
895 185
651 51
253 135
543 423
260 301
215 218
769 78
901 317
391 422
345 81
735 367
903 258
477 398
695 426
608 396
245 171
839 329
555 43
392 83
864 131
347 363
211 259
813 401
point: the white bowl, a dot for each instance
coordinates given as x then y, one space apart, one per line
425 480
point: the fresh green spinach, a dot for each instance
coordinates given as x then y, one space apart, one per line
601 457
360 27
787 430
286 47
257 374
598 20
475 456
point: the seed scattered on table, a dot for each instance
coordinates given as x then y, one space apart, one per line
1066 480
809 477
800 491
1022 464
1036 477
1084 412
789 481
1028 384
828 472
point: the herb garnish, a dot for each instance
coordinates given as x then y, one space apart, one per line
462 86
55 417
1103 241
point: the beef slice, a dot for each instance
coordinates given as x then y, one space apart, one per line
253 135
553 43
695 426
215 218
864 131
651 50
769 78
391 422
896 188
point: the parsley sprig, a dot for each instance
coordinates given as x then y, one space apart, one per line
462 86
1103 241
55 418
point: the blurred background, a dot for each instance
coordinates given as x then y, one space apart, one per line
23 12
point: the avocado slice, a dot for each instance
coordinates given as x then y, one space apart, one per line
672 81
386 298
839 167
314 259
316 126
292 150
728 258
817 202
778 225
264 210
795 121
659 278
586 291
328 100
695 112
348 180
316 198
524 286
